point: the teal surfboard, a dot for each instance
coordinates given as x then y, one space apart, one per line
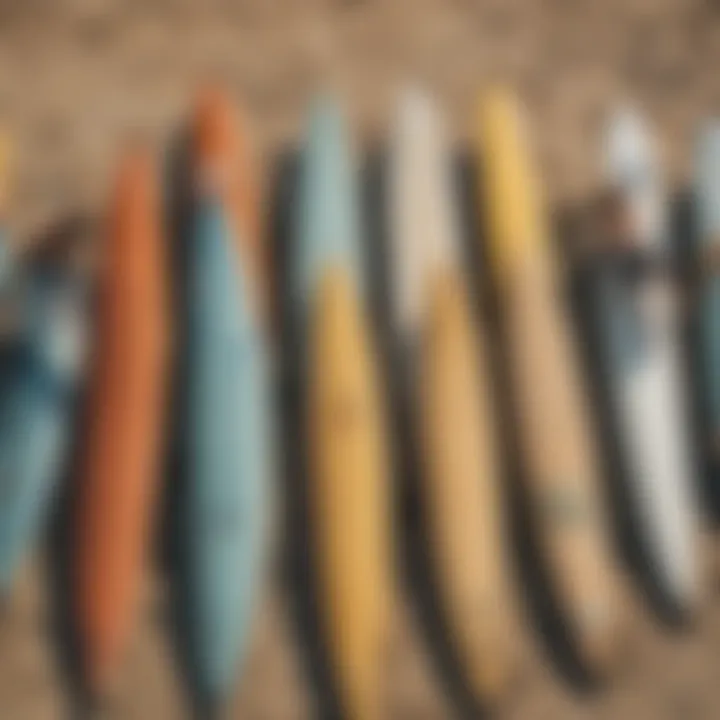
225 447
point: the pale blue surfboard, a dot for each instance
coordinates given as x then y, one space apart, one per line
39 380
226 447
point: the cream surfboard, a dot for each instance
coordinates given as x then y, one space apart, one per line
440 353
348 473
640 341
554 432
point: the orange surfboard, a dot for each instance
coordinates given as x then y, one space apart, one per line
121 454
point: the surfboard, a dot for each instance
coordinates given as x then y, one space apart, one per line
41 367
444 363
347 457
707 224
121 448
226 424
42 343
555 438
640 339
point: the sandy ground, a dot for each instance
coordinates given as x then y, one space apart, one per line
76 77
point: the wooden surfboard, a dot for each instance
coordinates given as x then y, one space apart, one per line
638 322
555 437
448 385
121 458
226 423
348 473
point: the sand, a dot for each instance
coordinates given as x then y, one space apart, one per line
76 78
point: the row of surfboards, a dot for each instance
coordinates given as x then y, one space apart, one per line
180 356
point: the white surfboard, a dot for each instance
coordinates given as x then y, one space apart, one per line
452 419
641 335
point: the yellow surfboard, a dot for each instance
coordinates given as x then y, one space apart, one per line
464 501
350 481
555 436
449 389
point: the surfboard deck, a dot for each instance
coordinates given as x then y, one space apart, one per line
348 471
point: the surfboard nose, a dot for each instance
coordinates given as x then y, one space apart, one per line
631 173
223 167
626 139
133 198
216 142
416 112
516 219
134 178
328 227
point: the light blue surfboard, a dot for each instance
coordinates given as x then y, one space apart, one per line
226 447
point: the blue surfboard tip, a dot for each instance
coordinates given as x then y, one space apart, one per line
325 107
326 122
